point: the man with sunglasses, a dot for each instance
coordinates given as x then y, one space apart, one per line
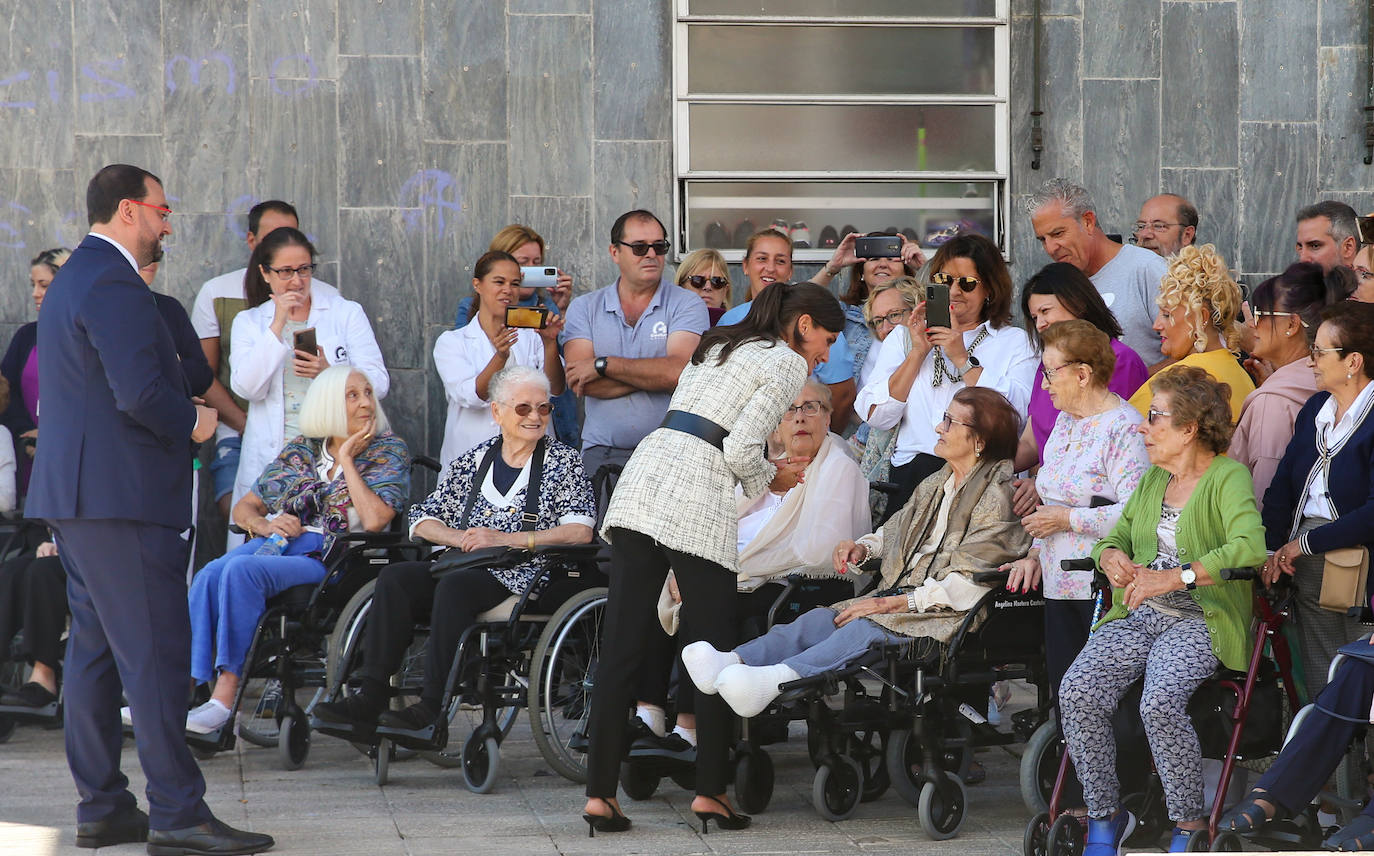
112 479
625 344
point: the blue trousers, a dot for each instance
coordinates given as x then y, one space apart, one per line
230 594
813 644
126 586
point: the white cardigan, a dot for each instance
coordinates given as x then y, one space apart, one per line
255 366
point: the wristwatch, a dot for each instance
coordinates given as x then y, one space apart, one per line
1189 576
600 365
970 365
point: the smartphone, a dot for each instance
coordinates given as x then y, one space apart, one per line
937 305
529 317
305 341
878 247
538 277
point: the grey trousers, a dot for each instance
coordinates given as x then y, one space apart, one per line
1320 631
813 644
593 459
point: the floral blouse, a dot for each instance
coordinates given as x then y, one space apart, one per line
1099 455
565 496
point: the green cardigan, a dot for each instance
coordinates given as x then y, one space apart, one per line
1218 528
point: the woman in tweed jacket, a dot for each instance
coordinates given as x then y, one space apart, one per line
674 505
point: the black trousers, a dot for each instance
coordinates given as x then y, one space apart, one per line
12 585
1067 625
45 610
407 595
639 566
906 477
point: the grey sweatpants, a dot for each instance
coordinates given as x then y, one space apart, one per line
813 644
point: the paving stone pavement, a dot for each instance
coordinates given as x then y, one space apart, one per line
332 806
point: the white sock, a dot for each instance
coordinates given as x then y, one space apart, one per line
750 689
704 664
653 716
688 734
208 717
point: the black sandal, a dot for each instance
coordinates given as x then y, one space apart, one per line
1252 813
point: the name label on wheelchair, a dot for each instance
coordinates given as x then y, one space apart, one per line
1018 604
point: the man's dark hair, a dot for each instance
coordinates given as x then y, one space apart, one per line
1341 216
255 213
1187 213
114 182
618 227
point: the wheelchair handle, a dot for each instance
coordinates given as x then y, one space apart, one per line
1084 563
1239 573
426 462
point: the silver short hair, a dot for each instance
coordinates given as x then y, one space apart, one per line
324 412
1342 218
504 382
1073 197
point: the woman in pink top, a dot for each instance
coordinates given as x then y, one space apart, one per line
1285 313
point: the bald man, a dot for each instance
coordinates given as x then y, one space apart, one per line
1167 223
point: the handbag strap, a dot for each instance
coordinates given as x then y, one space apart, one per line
530 516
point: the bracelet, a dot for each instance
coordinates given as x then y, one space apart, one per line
249 529
911 601
868 553
529 542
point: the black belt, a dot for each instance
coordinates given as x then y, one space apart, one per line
697 426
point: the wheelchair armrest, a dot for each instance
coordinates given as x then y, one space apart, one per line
237 529
991 578
885 487
1084 563
1239 573
425 461
371 539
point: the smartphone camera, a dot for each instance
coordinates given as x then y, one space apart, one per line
527 317
878 247
538 276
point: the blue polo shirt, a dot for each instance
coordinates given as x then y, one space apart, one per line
837 369
597 317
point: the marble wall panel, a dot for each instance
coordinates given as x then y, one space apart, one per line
1061 100
38 94
381 263
379 117
1199 88
1343 22
379 27
1120 147
294 42
295 156
94 151
38 210
201 246
1121 38
552 7
1278 175
461 200
632 40
1047 7
117 49
628 176
1277 76
550 103
1215 193
1340 103
407 409
465 70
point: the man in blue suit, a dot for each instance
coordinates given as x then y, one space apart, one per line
112 477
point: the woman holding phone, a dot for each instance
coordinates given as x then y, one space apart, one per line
271 359
468 358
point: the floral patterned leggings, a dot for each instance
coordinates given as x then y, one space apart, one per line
1175 656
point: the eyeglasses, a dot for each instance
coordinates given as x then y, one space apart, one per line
163 212
1260 313
1051 372
965 283
1364 274
1153 226
304 271
809 408
705 283
950 420
1316 351
641 248
893 319
1153 413
523 408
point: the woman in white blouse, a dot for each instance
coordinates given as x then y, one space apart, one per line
920 368
264 366
468 358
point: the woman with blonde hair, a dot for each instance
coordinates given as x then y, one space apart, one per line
706 273
1198 304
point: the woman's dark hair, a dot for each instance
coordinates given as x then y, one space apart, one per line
1303 290
994 421
1354 325
482 268
1197 398
992 270
1078 294
859 289
255 286
773 316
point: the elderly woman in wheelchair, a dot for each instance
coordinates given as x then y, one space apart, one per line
958 522
518 490
346 472
1174 619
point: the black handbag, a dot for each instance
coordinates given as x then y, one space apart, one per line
495 557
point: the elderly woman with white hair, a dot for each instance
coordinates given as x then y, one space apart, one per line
489 483
347 472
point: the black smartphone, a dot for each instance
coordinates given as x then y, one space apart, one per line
305 341
937 305
530 317
878 247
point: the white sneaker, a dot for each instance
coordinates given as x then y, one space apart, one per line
126 717
210 716
750 689
704 664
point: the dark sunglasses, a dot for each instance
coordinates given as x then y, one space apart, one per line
523 408
712 283
640 248
965 283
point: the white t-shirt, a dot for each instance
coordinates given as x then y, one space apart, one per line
1129 284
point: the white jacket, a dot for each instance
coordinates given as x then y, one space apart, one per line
256 359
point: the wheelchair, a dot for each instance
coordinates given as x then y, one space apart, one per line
1237 715
17 537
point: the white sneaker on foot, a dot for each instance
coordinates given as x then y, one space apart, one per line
750 689
704 663
206 718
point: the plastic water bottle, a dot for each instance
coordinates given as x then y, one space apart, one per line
275 545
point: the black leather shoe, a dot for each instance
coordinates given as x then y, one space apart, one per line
356 709
119 827
419 715
213 838
29 695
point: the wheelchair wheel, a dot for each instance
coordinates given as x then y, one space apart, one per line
837 788
7 726
903 760
346 642
1040 766
753 781
942 807
638 781
293 742
481 761
464 720
686 778
561 676
1151 817
870 750
1198 842
1227 842
1067 837
1037 838
381 762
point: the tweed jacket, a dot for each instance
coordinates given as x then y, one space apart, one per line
679 489
981 534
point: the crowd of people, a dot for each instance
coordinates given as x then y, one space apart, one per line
1141 408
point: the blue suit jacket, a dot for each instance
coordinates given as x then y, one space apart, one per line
116 410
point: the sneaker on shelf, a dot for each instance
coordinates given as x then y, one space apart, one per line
716 236
830 239
801 235
744 229
848 229
910 234
781 226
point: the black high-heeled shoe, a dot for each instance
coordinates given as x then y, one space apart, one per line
730 821
617 822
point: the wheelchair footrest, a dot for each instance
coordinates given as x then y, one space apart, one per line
428 739
47 713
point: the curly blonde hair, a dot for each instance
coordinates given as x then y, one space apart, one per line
1198 281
